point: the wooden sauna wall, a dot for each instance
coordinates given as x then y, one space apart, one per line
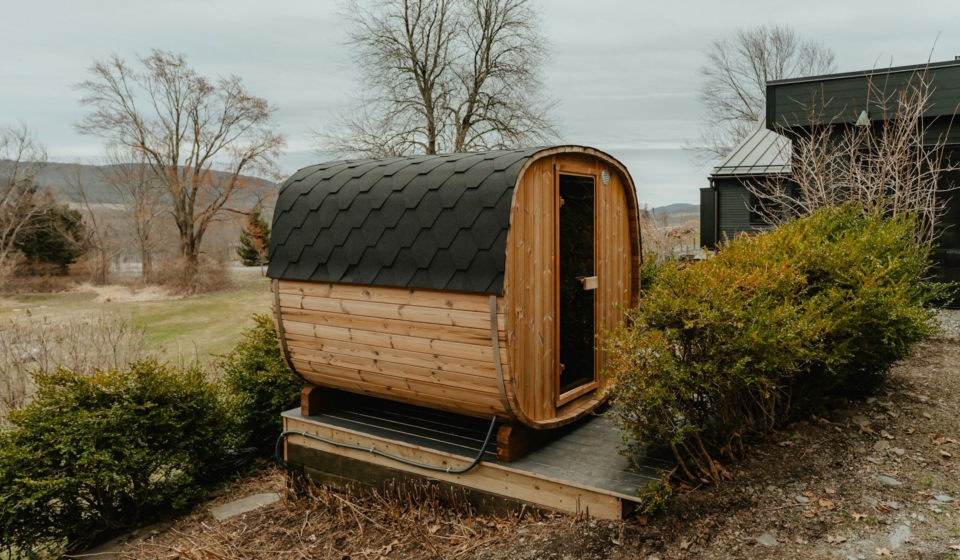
531 283
421 347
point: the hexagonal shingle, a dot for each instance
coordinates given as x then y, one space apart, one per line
463 249
436 222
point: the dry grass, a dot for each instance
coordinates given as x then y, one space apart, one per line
179 276
126 294
29 344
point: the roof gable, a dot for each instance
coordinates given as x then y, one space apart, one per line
762 152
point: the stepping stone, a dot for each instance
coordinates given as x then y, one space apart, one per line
900 536
245 505
767 539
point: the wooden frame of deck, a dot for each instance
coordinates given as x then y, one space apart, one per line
490 482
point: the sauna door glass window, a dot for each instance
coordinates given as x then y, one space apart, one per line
577 282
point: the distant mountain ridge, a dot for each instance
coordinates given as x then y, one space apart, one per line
678 208
61 179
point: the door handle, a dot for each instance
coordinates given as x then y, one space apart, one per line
589 282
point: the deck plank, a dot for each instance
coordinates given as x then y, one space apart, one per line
585 453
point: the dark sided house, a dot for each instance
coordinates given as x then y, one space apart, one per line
795 106
727 207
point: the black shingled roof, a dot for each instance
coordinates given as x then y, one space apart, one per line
437 222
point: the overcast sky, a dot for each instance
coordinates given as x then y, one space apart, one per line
625 71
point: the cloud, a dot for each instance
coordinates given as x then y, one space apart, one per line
625 71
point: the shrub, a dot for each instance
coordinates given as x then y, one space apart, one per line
650 269
99 453
768 329
183 277
262 385
53 238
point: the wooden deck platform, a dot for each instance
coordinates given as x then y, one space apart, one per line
575 469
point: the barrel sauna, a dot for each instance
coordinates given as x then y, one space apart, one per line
476 283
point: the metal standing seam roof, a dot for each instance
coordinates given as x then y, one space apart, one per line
763 152
436 222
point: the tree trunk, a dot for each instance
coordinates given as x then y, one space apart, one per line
146 264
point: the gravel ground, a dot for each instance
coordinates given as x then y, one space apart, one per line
950 321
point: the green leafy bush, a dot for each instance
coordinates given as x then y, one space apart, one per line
770 328
650 269
101 452
655 496
262 385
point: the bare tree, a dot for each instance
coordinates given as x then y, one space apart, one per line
893 166
22 158
199 137
735 76
129 174
101 240
443 76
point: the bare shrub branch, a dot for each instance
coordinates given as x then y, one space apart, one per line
78 344
660 239
891 166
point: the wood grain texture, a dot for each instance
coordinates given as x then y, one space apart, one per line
415 346
433 348
530 291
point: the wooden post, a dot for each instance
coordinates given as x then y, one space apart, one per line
314 400
515 440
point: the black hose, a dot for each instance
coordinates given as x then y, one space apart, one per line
448 470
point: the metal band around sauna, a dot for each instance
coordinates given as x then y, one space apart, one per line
495 343
281 334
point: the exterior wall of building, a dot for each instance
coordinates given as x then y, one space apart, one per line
733 210
708 218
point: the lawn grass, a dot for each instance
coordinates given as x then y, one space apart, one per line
196 327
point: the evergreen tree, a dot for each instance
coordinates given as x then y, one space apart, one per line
55 234
254 240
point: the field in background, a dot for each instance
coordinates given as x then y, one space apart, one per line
192 327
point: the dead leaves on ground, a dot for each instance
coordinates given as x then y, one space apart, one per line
940 439
836 539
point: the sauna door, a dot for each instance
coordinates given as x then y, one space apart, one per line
577 286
